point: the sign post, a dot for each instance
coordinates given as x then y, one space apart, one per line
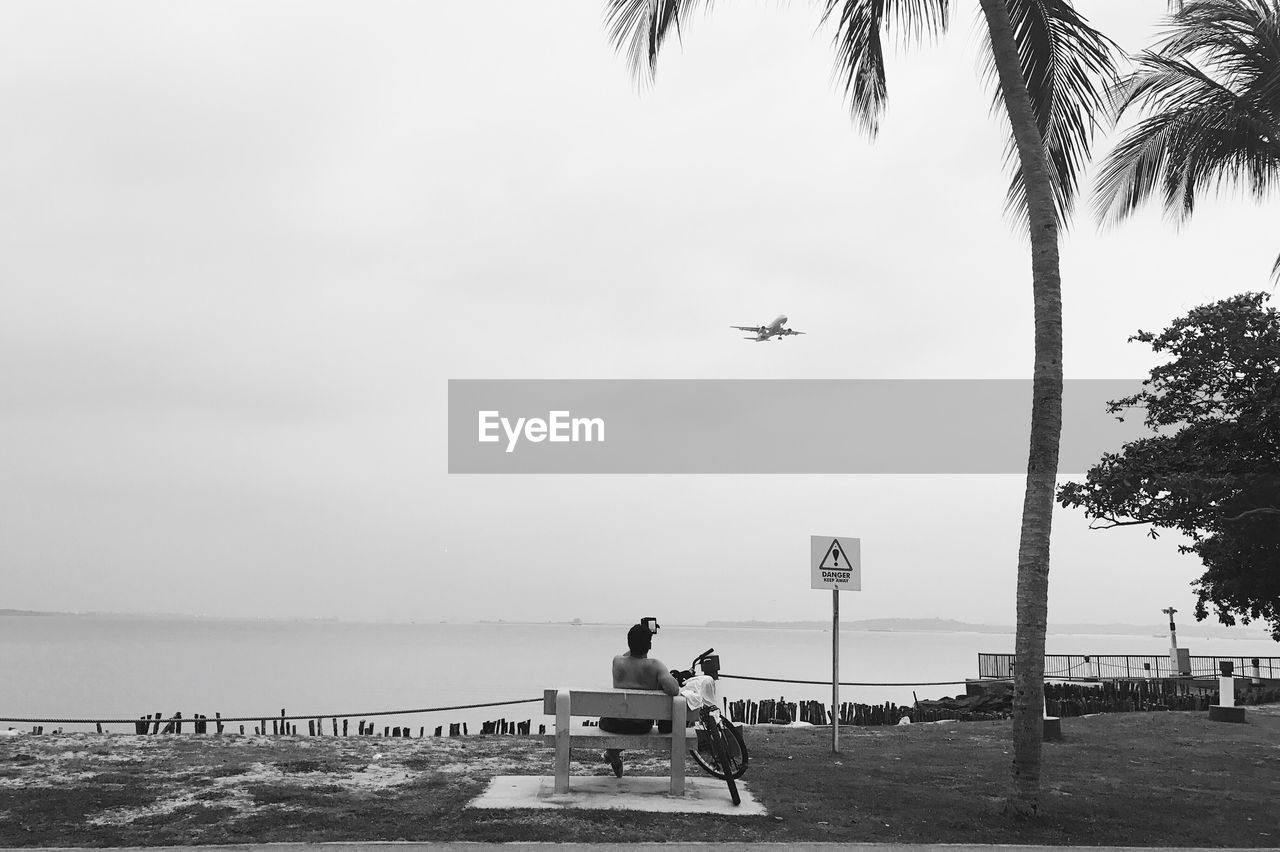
835 564
835 671
1173 641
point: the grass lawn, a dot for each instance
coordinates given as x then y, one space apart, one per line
1125 779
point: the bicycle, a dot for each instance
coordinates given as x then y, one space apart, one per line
721 751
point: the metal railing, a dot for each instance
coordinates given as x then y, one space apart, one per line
1128 666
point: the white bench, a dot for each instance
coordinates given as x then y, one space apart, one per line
564 704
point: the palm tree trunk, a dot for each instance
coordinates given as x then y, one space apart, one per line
1046 419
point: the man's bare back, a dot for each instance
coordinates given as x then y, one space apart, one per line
642 673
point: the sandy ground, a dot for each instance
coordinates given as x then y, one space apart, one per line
1172 778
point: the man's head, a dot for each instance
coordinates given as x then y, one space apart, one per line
639 640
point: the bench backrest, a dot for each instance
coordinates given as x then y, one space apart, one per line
619 703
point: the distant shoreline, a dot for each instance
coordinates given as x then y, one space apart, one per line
1193 630
887 625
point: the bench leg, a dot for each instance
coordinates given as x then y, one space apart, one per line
562 741
678 731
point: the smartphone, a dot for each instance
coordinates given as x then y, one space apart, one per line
651 623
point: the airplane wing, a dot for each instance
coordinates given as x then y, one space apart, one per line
746 327
789 331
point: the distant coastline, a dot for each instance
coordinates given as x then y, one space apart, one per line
1191 630
932 625
949 625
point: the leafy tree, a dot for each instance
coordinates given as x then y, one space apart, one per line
1212 471
1212 88
1049 70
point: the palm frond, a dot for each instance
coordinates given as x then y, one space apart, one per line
860 49
1069 67
639 28
1212 91
1136 165
1237 42
1226 29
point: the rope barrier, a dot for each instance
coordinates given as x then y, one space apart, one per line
853 683
275 718
261 717
936 682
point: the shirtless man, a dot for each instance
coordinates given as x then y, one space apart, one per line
636 670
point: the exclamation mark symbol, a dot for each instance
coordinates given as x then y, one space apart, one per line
835 551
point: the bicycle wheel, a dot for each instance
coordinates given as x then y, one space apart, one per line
720 752
733 759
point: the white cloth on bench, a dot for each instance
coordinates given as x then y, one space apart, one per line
699 691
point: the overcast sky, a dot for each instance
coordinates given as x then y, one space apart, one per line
245 245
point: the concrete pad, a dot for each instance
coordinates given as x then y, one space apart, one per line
629 793
1219 713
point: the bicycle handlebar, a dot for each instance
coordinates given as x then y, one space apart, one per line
682 676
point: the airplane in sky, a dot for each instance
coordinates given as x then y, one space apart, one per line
776 329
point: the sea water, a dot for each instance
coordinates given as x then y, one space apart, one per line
107 667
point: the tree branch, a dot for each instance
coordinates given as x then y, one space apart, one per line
1261 510
1112 522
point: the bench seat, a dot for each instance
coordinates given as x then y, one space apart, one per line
564 704
592 736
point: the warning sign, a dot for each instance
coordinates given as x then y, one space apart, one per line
836 562
831 561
